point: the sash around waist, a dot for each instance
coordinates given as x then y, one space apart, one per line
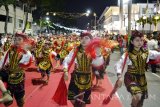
82 80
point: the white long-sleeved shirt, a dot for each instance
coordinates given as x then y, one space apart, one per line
25 59
152 44
98 61
118 66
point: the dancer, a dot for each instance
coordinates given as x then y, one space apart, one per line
13 62
7 44
79 91
38 49
45 63
136 59
98 69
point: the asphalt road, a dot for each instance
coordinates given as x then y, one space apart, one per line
125 97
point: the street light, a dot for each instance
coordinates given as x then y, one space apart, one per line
88 12
47 13
54 14
47 18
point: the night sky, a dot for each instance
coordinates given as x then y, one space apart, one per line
81 6
97 6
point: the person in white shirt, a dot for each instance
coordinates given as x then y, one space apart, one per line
136 59
12 64
79 90
153 45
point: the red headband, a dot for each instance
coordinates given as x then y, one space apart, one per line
137 34
24 36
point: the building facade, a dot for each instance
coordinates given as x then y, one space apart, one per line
110 18
20 19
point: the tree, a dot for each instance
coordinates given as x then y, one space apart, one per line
14 8
149 21
42 5
28 7
142 21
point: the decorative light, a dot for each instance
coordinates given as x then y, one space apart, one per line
35 23
88 11
54 14
87 14
156 17
47 18
47 13
95 14
144 17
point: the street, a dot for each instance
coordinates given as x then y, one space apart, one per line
125 97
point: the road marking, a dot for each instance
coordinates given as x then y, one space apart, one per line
156 75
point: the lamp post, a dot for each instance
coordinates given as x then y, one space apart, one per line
47 20
143 23
121 15
88 12
95 20
136 19
129 16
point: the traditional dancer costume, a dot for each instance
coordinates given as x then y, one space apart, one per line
98 65
135 79
64 52
45 63
38 50
81 78
7 45
12 63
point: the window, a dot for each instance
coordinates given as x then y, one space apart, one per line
3 18
20 23
143 10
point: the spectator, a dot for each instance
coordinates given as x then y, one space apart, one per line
153 45
122 44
